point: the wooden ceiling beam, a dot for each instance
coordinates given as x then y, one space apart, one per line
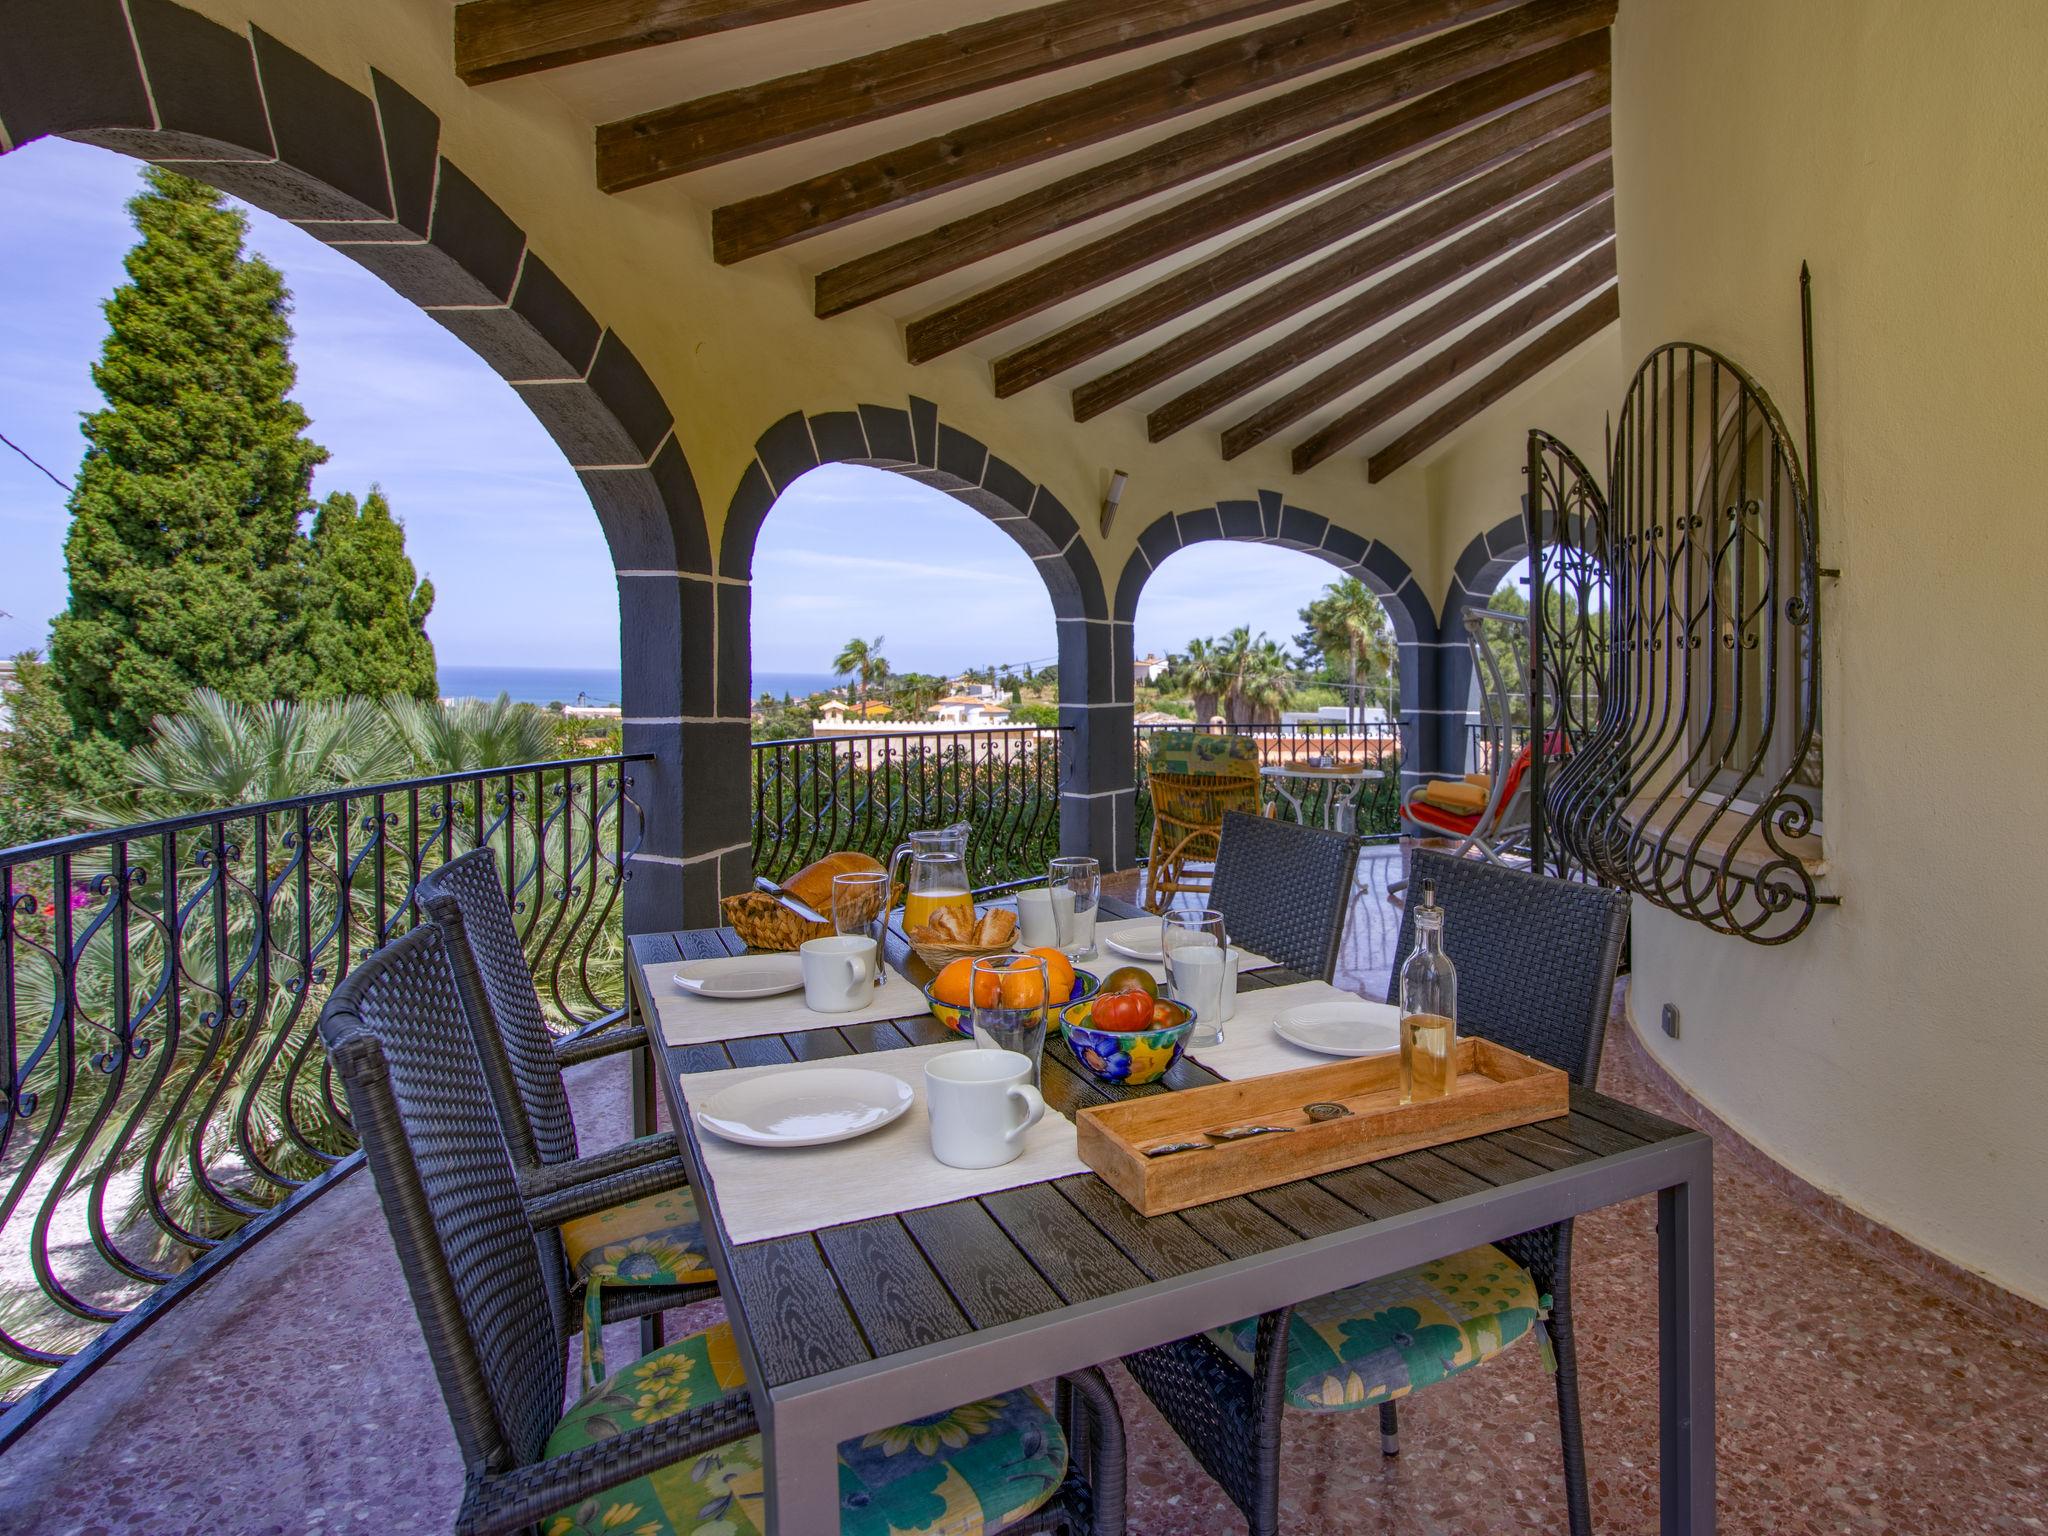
1173 161
498 39
1156 93
1439 269
1467 302
1580 67
1581 325
1438 219
1586 192
1535 308
1020 45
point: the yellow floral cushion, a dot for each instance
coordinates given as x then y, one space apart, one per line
971 1471
1382 1340
655 1240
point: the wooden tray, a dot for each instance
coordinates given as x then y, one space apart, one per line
1496 1088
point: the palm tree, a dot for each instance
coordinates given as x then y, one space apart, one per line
914 693
1348 621
862 661
1202 670
470 733
1266 682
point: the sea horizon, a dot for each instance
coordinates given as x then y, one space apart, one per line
594 685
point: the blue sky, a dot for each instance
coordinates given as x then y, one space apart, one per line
492 512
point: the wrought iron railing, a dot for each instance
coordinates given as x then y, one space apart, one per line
1369 744
815 795
166 1093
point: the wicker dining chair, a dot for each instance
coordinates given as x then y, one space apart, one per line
1536 959
624 1217
1196 779
1284 890
670 1444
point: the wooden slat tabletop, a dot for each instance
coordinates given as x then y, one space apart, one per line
817 1302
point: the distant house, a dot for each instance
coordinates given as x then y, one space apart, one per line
973 688
8 684
1147 669
839 709
971 709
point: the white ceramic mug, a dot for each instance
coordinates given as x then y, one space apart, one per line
839 973
980 1104
1036 925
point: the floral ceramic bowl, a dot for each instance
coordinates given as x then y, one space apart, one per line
961 1020
1130 1056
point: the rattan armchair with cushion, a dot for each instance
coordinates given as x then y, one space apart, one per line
624 1217
1536 959
669 1446
1284 890
1196 778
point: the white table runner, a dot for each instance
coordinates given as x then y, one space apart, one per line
687 1019
1252 1048
768 1192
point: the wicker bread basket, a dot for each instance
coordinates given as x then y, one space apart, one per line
939 955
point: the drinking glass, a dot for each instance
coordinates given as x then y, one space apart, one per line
1010 1009
1195 947
1076 885
860 905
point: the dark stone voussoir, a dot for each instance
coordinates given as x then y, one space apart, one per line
1160 539
1130 587
838 437
325 129
786 451
476 232
924 431
557 316
961 455
1301 528
1241 519
424 273
743 519
1198 525
683 507
412 150
623 385
582 428
203 79
68 67
889 436
633 512
1008 482
1344 545
1053 519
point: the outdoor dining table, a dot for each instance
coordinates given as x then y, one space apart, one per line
1291 782
851 1328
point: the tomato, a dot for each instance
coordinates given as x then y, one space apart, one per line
1123 1010
1162 1015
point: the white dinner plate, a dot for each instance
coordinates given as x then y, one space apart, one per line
1353 1027
1138 938
805 1108
738 976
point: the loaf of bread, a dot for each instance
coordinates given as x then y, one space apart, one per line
812 885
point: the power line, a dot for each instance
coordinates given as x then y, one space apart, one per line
4 438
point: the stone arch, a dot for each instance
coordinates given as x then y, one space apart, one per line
361 170
1485 560
1095 709
1270 520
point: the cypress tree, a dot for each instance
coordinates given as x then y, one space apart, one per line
185 553
366 613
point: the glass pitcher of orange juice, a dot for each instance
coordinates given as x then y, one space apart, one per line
937 877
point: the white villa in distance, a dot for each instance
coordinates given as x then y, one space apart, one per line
972 709
1146 668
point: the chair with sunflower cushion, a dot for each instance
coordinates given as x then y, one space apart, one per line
668 1446
1536 959
1195 779
621 1226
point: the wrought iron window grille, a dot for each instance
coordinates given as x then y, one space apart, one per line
1675 649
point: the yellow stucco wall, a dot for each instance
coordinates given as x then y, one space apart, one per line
1897 1053
734 349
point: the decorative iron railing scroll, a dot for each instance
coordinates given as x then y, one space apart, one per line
1684 603
164 1086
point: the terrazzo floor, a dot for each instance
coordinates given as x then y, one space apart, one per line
293 1394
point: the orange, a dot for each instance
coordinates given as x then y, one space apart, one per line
1022 988
1059 972
950 986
